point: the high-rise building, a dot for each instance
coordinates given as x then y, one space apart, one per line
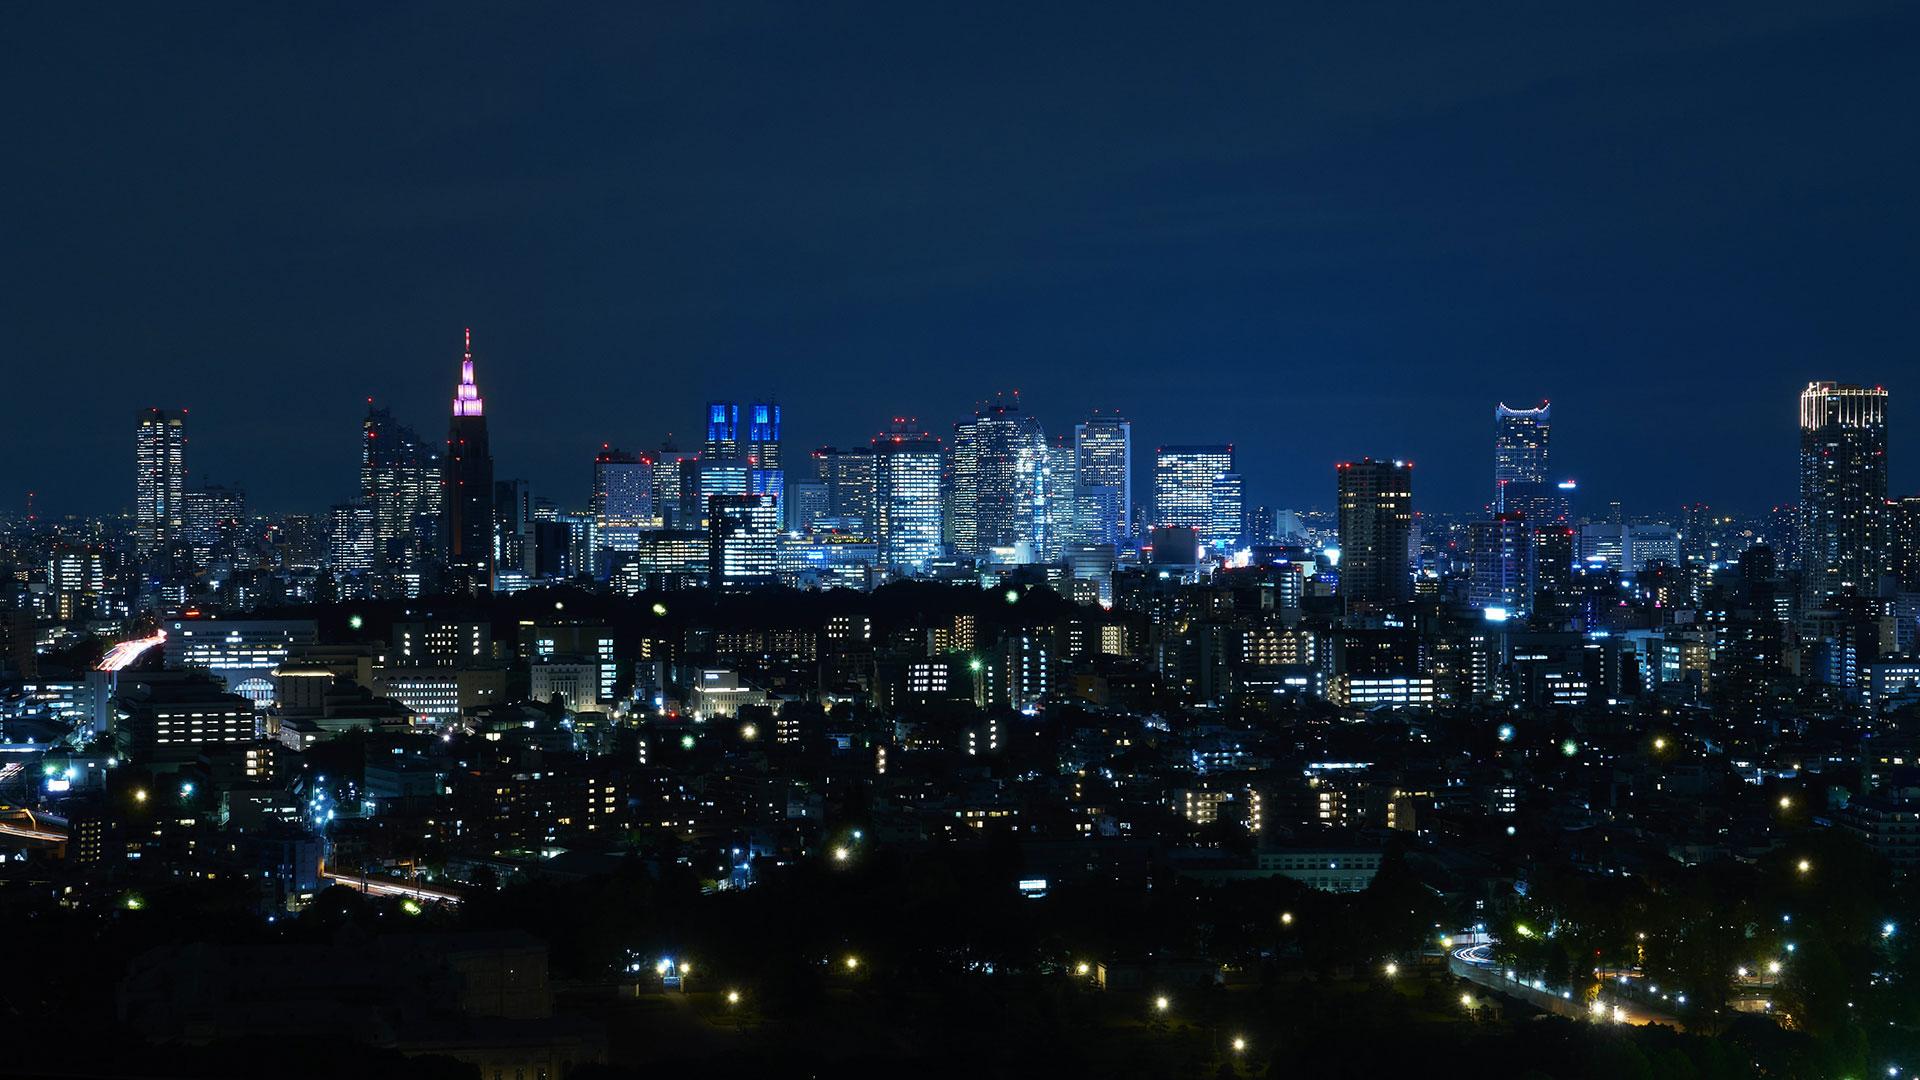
1183 486
468 483
743 540
1520 441
1843 490
350 539
622 499
1225 524
1906 542
723 430
1376 532
160 479
400 482
848 475
1551 564
1008 482
1696 541
765 472
214 516
1501 553
1102 480
675 487
957 490
906 497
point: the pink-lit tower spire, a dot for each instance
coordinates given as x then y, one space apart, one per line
466 396
467 481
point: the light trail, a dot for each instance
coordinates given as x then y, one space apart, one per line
123 655
377 887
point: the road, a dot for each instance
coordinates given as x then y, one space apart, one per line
381 887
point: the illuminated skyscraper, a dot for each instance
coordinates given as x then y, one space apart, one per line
848 475
676 486
215 515
1376 532
1501 552
1183 487
765 473
160 479
1103 480
1843 490
906 497
1520 454
1226 521
400 482
468 483
622 500
1008 482
723 430
743 540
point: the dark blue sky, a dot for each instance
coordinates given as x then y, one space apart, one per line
1315 230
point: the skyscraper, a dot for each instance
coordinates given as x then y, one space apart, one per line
1103 480
1376 531
723 430
1183 486
622 499
1225 521
1906 542
766 475
1501 553
468 484
1008 482
1843 490
400 482
743 540
848 475
214 516
160 479
1520 443
906 497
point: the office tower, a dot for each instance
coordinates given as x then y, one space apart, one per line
958 492
848 475
743 540
214 514
1183 486
807 504
1519 448
77 582
1225 525
1009 482
1551 564
1906 542
1376 532
350 539
1500 552
1782 534
675 487
468 483
720 476
1843 490
400 483
906 497
1102 480
512 525
723 430
622 499
160 479
766 475
1695 526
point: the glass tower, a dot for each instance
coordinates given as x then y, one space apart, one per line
1843 490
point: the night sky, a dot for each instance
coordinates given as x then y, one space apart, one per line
1314 230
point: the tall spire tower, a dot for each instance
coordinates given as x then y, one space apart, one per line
469 485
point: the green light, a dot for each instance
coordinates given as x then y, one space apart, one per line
686 742
134 903
975 665
1569 748
409 907
356 622
659 609
1013 596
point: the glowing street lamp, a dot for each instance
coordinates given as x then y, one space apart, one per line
853 962
1162 1003
1392 969
1804 866
1239 1044
733 997
1082 968
841 854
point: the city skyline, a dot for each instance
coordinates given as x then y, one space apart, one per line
1345 206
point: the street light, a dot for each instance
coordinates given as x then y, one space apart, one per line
1773 967
1161 1003
1239 1044
841 854
852 962
1082 968
1804 866
1286 918
733 997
